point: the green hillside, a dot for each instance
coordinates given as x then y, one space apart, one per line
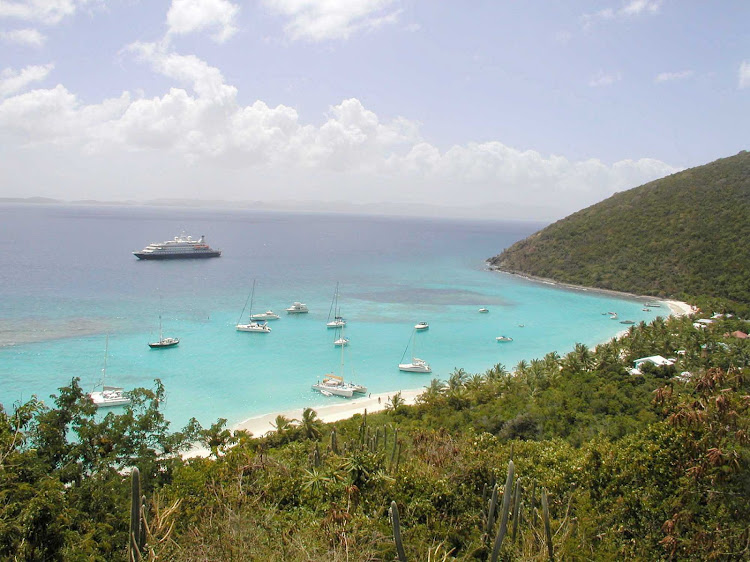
686 234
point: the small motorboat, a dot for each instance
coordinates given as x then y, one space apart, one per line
267 315
421 326
297 308
503 338
483 310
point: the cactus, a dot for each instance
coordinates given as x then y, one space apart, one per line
377 439
316 456
502 530
516 509
484 504
547 529
532 507
137 536
334 442
491 510
395 445
395 523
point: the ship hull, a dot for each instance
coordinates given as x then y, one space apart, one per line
185 256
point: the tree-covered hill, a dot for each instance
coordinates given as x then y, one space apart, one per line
686 234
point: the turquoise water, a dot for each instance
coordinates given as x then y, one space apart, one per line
78 282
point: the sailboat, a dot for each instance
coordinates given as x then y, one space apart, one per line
338 321
108 395
336 386
417 365
341 341
252 326
163 342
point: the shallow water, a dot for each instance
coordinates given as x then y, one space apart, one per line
69 278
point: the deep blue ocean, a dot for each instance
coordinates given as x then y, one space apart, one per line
69 281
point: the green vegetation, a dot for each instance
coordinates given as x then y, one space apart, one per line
570 458
683 235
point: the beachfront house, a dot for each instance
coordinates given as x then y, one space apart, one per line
657 360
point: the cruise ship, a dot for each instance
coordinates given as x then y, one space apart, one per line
181 247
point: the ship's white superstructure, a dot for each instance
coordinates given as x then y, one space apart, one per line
180 247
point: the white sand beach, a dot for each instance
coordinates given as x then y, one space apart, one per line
339 409
679 308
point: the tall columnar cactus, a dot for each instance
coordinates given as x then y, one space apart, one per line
316 456
395 523
505 510
516 509
491 510
484 504
334 442
547 528
532 507
395 445
137 536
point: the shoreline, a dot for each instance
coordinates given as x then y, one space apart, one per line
341 410
677 308
261 425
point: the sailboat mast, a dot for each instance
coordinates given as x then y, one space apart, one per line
407 345
334 302
252 298
106 349
246 301
342 354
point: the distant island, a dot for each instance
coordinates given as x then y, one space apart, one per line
472 212
680 236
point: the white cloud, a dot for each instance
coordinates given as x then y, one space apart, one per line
604 79
319 20
744 75
629 8
207 81
25 37
636 7
12 82
48 12
201 133
189 16
672 76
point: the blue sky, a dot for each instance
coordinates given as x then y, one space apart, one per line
485 108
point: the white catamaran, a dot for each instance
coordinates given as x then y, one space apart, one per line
336 386
252 326
338 320
109 395
417 365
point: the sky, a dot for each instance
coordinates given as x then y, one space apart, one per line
494 109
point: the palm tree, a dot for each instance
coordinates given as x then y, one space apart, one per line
457 379
311 425
283 424
395 402
520 369
433 392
